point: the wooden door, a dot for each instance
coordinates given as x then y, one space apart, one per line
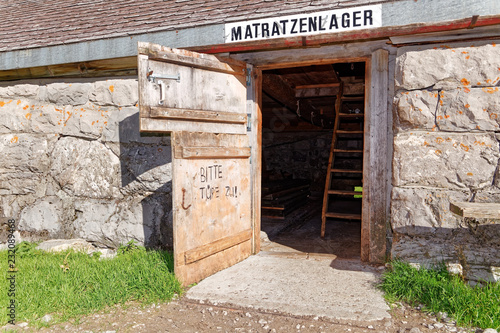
202 101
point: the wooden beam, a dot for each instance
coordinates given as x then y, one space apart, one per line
217 246
476 209
280 90
211 152
198 115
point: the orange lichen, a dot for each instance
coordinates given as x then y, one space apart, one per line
439 117
14 139
447 116
470 174
468 57
460 112
493 44
426 143
464 147
28 116
18 101
438 152
27 106
493 116
465 82
111 88
467 105
467 90
439 140
477 127
441 102
93 122
490 90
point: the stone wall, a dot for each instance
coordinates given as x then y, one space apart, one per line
446 148
73 163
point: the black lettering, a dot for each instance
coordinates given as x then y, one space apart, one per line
265 29
248 32
333 22
11 294
356 17
346 22
202 189
236 191
227 191
313 24
276 29
368 17
209 173
322 23
209 193
220 170
203 176
236 33
303 24
283 24
216 191
256 29
293 31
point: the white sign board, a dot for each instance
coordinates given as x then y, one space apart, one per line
330 21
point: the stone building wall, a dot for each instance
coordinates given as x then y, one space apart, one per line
73 163
446 148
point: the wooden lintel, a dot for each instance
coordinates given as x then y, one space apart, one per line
217 246
476 209
211 152
198 115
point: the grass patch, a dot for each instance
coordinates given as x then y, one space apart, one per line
72 284
438 290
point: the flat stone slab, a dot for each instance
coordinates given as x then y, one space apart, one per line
338 290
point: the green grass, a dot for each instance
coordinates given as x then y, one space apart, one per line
438 290
72 284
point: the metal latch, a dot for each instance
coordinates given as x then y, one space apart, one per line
158 78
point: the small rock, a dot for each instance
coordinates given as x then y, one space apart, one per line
442 315
438 325
370 327
210 309
47 318
110 332
490 330
266 327
415 330
298 326
224 313
22 325
431 327
404 322
316 318
452 329
262 321
248 315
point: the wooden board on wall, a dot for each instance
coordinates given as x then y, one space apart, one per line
211 203
208 96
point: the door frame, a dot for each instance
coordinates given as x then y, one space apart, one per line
375 155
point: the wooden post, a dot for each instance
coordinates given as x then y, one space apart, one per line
373 229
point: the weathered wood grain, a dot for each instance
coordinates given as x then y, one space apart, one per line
476 209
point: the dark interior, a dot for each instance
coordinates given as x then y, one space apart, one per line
298 108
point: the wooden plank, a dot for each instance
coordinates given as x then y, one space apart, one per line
349 132
216 246
198 115
476 209
376 146
208 97
211 152
347 171
345 216
343 192
192 59
211 200
356 151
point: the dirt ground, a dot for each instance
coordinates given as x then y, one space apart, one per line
187 317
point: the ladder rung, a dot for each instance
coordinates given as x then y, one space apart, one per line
343 216
347 170
343 192
349 132
348 151
351 115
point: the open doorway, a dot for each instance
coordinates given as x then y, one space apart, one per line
299 109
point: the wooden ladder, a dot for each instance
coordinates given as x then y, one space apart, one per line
342 176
